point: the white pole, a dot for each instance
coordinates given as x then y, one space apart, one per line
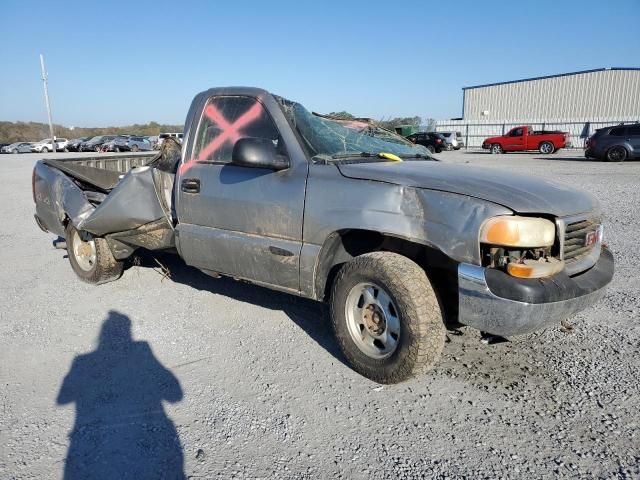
46 99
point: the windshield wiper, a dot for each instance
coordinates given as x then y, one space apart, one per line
419 155
338 156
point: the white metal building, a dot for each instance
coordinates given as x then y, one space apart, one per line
577 102
594 94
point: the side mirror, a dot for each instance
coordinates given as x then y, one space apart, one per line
257 153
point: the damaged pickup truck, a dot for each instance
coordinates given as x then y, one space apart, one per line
398 243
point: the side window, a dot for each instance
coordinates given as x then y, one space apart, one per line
617 132
634 130
224 121
517 132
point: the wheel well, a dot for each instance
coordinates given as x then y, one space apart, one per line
342 246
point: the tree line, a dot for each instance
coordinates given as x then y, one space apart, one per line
33 131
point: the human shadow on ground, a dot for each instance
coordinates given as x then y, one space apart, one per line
121 429
311 316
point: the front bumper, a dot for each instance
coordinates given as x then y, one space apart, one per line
494 302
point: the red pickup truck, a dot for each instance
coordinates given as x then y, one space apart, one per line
525 138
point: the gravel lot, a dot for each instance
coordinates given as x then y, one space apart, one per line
254 386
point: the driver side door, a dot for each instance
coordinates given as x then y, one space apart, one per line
515 139
235 220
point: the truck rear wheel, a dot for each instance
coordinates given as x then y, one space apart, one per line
91 258
386 317
496 148
547 148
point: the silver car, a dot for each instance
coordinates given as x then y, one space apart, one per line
453 139
127 143
18 147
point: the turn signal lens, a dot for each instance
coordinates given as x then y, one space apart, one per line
535 268
514 231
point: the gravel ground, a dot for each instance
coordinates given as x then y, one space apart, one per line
254 386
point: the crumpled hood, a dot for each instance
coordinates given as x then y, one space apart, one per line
520 193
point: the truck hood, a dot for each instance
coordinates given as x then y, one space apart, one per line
522 194
493 139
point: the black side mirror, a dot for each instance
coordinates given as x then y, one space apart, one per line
257 153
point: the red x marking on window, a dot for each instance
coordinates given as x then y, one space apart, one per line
230 131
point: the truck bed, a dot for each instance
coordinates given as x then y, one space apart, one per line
121 198
101 172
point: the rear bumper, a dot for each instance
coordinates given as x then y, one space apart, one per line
497 303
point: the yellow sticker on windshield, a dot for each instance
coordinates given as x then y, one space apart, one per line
390 156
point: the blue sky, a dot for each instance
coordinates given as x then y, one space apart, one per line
119 62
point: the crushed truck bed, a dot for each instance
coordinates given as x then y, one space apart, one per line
124 199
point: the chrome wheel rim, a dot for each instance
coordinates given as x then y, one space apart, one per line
496 149
372 320
546 148
84 252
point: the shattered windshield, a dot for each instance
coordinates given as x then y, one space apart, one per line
327 139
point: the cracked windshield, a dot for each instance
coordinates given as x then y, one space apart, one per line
328 139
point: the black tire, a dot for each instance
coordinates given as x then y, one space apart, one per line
431 149
105 268
546 148
496 148
616 154
135 148
422 333
45 150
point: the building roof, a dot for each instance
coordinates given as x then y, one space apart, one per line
550 76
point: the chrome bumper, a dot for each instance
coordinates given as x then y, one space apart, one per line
543 302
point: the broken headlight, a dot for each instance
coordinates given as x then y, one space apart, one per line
521 246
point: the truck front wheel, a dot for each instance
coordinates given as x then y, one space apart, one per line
547 148
91 258
496 148
386 317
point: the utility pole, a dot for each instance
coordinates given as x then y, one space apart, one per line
46 99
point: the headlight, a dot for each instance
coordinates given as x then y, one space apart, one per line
521 232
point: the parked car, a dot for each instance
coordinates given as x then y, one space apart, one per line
162 136
95 144
2 145
614 144
434 142
127 143
396 242
453 139
45 146
74 145
525 138
18 147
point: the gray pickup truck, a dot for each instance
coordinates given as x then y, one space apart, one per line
398 243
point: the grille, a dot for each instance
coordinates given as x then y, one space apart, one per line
574 237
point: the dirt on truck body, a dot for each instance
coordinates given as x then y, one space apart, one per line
396 242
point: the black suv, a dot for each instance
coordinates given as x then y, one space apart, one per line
614 144
434 142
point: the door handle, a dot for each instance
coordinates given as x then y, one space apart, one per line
190 185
